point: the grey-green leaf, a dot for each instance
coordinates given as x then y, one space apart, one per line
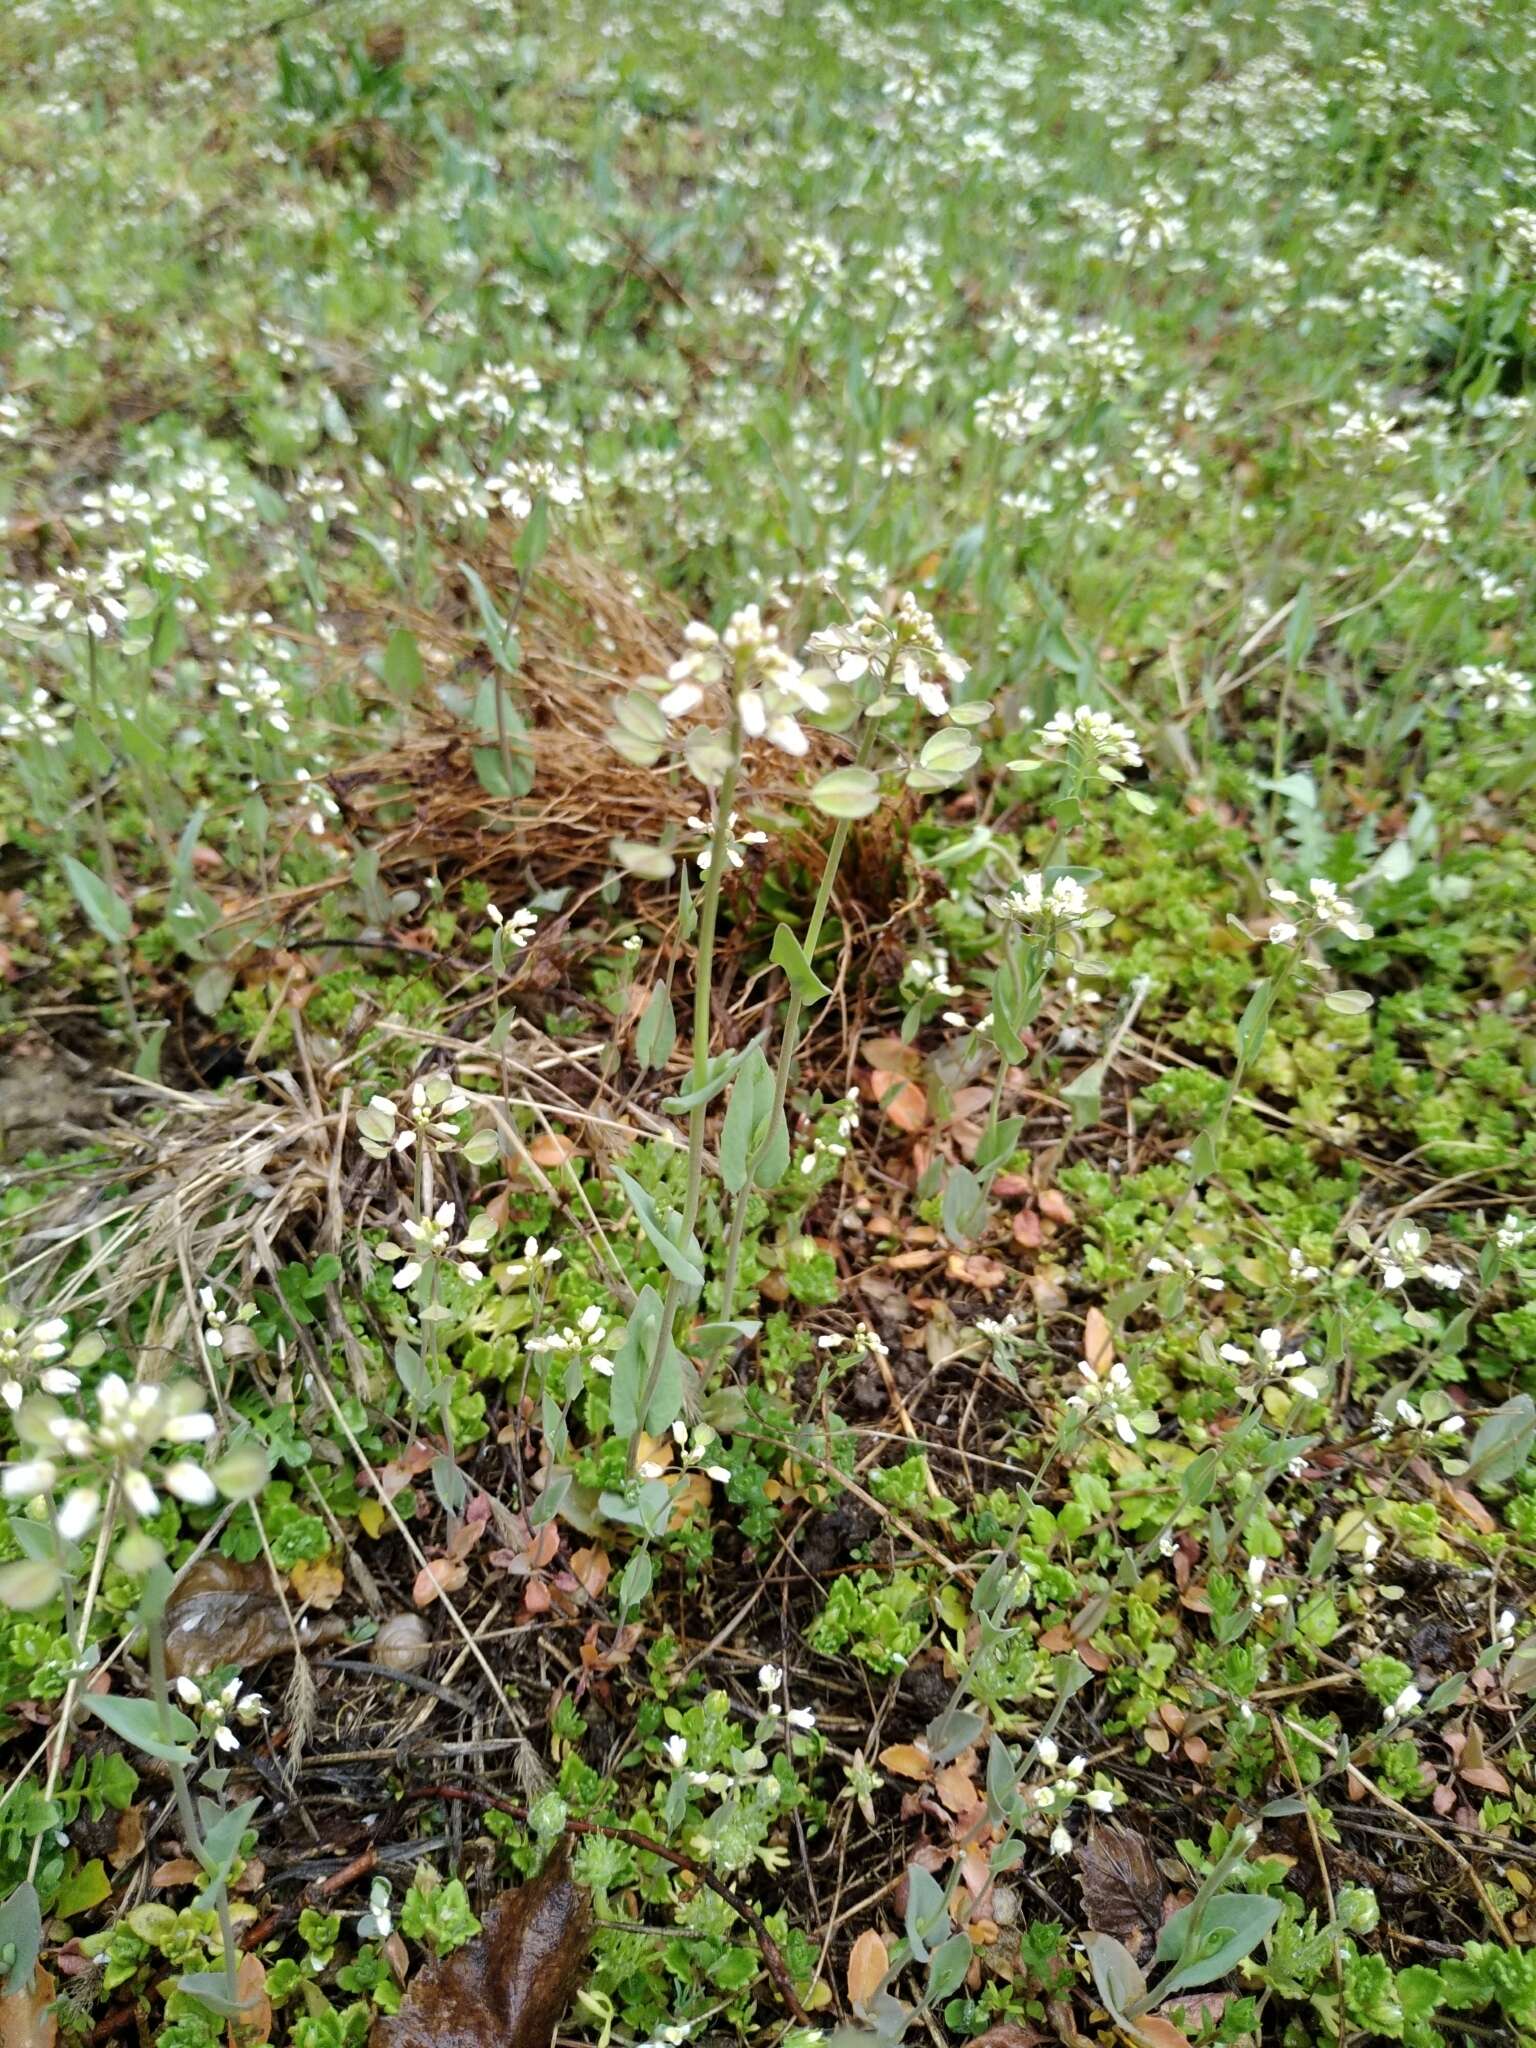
106 912
789 954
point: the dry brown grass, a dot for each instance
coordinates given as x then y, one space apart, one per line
586 632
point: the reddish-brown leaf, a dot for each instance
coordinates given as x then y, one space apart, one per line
955 1785
1010 2034
975 1269
512 1983
867 1966
1026 1232
890 1056
902 1101
1055 1207
591 1570
553 1149
1159 2033
438 1575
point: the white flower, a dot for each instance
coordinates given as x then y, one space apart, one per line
1323 909
1064 905
1403 1258
518 929
676 1748
1101 1799
1409 1698
1047 1751
79 1513
769 1677
1100 745
1061 1840
29 1479
23 1351
801 1717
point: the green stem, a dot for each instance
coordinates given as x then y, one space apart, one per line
186 1811
704 966
788 1041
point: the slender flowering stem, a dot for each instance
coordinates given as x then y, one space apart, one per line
186 1810
788 1042
72 1690
709 909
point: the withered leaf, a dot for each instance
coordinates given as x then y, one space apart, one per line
867 1968
510 1986
26 2016
1010 2034
225 1612
1123 1889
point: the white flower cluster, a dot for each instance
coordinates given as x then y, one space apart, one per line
591 1334
771 688
1323 908
1275 1358
431 1243
904 645
1501 687
1055 1796
428 1112
213 1711
1111 1400
517 929
132 1423
36 716
835 1147
1404 1257
693 1447
735 842
24 1350
927 974
1095 743
1063 906
860 1340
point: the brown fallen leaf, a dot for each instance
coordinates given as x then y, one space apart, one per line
890 1056
955 1785
553 1149
127 1837
1159 2033
1123 1889
1048 1285
254 2025
510 1986
902 1101
1098 1348
1026 1233
225 1612
1055 1207
908 1760
867 1967
438 1575
26 2018
1010 2034
975 1269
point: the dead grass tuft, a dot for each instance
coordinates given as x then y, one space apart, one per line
586 631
